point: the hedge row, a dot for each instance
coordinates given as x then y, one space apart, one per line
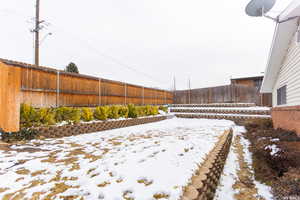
31 116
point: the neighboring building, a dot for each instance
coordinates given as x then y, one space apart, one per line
282 76
254 81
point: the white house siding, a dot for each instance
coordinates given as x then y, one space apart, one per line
289 75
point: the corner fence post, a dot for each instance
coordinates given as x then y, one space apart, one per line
10 92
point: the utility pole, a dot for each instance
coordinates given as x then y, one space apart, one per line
189 90
37 33
174 84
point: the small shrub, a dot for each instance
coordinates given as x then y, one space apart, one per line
67 114
163 108
154 110
132 111
113 112
101 113
123 111
288 185
45 116
87 114
28 115
141 111
258 123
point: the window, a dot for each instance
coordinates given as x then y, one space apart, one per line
281 95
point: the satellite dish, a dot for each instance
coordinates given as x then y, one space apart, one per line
257 8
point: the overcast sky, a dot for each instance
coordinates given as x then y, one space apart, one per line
145 42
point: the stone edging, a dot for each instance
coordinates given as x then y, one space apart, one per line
82 128
204 184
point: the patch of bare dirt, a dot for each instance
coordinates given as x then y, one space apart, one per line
244 184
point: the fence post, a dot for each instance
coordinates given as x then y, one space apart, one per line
10 92
57 88
143 95
125 93
99 93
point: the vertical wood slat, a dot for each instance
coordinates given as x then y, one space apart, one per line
10 84
223 94
50 89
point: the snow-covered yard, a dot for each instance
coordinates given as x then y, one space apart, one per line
151 161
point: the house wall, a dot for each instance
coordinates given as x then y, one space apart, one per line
289 75
288 116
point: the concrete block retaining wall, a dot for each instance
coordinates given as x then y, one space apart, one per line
224 111
215 105
228 117
76 129
204 184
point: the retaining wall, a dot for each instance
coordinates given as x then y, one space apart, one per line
204 184
225 111
220 116
76 129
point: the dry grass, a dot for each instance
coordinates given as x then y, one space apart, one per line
244 184
145 181
39 172
3 189
23 171
161 196
126 195
103 184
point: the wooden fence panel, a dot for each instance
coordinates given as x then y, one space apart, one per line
222 94
46 87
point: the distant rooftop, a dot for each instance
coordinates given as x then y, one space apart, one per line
248 78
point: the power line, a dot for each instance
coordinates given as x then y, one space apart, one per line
111 58
87 43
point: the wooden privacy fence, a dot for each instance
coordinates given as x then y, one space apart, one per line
222 94
48 87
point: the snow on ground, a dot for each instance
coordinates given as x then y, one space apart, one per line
263 190
274 149
150 161
256 108
229 176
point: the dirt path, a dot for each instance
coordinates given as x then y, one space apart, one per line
244 183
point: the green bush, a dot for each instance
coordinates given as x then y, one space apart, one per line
123 111
113 112
87 114
101 113
141 111
154 110
28 115
163 108
45 116
132 111
67 114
